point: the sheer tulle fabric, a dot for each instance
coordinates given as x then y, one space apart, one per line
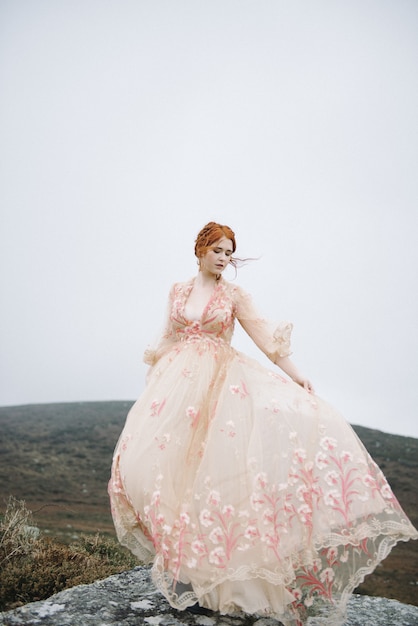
246 492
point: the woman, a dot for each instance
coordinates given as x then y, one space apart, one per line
246 491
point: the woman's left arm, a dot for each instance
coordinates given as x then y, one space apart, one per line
274 342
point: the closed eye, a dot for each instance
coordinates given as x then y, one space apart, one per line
219 250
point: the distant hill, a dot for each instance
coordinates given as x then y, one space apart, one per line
57 458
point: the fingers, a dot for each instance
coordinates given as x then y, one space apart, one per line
308 386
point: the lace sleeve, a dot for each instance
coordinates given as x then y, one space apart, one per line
274 341
167 338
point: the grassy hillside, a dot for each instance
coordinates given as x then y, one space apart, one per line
57 458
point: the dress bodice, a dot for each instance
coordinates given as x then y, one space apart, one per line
217 319
226 303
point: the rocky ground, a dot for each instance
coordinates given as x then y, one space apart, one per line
130 599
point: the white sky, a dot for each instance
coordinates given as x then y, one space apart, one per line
126 125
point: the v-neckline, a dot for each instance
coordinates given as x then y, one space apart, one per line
207 305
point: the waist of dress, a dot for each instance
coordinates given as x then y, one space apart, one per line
193 335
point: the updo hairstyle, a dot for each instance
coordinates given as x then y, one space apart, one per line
209 235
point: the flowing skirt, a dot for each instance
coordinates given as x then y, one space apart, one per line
247 493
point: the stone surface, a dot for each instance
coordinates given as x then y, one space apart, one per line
130 599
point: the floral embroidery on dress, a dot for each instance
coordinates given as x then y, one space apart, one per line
239 390
193 414
157 406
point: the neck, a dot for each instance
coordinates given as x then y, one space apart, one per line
205 279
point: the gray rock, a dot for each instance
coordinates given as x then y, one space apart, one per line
131 599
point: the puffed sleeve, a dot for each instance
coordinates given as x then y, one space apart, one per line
167 338
274 341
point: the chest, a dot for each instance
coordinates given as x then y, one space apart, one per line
209 307
196 303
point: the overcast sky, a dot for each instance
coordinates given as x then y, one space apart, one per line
126 125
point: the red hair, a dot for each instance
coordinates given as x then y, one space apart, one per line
209 235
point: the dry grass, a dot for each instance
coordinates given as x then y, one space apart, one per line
33 567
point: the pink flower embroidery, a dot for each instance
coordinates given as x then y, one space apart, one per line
237 390
193 414
297 594
321 460
331 478
300 455
305 513
369 481
301 492
327 575
163 441
156 407
216 556
251 532
230 431
346 456
206 518
184 518
332 555
316 565
214 498
332 498
256 501
228 510
268 516
216 536
386 492
155 499
261 480
198 547
328 443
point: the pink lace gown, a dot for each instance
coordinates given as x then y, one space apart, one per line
246 492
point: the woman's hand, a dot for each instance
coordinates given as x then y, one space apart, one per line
306 384
291 370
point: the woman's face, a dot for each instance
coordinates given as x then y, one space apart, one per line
217 258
